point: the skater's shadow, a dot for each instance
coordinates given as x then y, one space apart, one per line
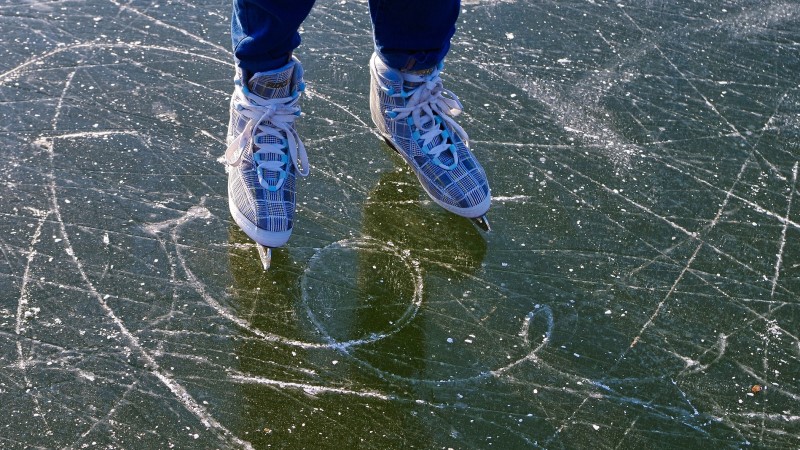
352 293
355 291
266 299
398 213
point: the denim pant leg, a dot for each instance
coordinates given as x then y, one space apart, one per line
264 32
413 34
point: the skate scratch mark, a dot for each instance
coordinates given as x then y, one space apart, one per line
707 229
779 259
661 304
182 31
176 388
765 363
728 196
756 207
695 412
708 103
369 244
22 305
174 282
617 193
694 365
195 283
782 418
111 413
525 335
307 388
483 375
311 93
22 309
627 431
512 198
314 389
6 76
87 135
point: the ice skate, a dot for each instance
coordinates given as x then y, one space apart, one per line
265 155
414 113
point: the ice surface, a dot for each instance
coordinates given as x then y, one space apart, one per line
642 274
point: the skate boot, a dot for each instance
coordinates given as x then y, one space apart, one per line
414 113
265 155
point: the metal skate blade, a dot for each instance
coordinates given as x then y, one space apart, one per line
482 222
265 253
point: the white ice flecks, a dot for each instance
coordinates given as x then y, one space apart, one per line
614 158
183 396
173 385
181 30
8 75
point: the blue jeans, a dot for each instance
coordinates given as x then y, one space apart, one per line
409 34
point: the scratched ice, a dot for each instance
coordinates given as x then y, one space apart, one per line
643 273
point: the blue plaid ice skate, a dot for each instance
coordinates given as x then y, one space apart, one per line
265 154
415 114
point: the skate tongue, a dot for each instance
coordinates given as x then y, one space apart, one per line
273 84
419 73
413 78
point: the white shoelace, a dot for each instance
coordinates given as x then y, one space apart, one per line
281 114
431 103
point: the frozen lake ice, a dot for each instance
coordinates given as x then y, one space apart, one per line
642 275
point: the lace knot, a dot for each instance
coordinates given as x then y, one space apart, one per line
429 110
270 134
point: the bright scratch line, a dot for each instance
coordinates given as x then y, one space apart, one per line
309 388
779 260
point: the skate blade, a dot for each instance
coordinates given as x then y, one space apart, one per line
265 253
482 222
